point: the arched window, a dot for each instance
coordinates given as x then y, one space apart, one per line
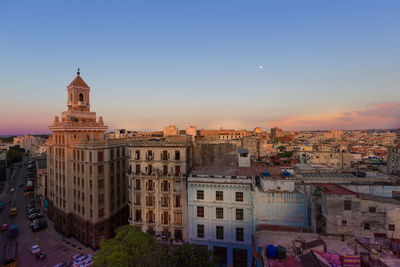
70 97
81 97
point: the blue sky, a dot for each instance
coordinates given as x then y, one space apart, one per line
154 63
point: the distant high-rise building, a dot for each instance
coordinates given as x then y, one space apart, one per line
276 133
86 185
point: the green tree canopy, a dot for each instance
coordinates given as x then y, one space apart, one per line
132 247
14 154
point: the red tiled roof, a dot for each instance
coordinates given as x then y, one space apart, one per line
78 82
334 189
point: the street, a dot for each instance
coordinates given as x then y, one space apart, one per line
56 247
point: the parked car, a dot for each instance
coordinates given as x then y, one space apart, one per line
36 216
86 263
27 194
1 205
35 249
4 227
32 211
77 256
78 261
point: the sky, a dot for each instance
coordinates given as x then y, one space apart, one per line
298 65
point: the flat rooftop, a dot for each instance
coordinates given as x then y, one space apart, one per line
227 171
334 189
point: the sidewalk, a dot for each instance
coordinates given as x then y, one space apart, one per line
68 241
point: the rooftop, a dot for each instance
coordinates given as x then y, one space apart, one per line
334 189
227 171
380 199
173 140
78 82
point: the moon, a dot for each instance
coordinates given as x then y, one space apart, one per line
260 67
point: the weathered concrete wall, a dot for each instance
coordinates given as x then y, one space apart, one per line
215 153
283 208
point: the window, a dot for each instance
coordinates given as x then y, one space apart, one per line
372 209
137 185
100 169
101 183
239 214
101 212
200 211
177 155
220 232
164 155
137 154
239 196
200 230
81 97
239 234
347 205
344 222
391 227
367 226
219 195
200 194
100 156
219 213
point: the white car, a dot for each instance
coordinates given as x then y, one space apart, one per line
78 260
35 249
77 256
12 189
86 263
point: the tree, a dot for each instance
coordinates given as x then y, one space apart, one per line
191 255
14 154
132 247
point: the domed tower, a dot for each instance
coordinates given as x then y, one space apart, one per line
78 94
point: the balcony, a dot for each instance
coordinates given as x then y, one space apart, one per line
165 223
164 206
137 189
137 204
150 204
150 190
137 222
150 222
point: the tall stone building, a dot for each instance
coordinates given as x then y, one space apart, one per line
87 187
157 185
393 157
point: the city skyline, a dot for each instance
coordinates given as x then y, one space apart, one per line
297 66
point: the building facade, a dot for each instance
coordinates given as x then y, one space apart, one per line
3 166
87 188
220 213
157 186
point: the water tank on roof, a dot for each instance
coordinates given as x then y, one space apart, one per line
286 173
271 251
266 173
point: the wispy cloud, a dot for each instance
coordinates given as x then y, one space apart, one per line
383 115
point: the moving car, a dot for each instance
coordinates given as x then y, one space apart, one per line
27 194
86 263
12 189
13 211
4 227
32 211
34 249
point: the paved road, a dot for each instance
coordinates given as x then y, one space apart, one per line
52 244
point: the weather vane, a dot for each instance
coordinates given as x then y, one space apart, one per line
78 72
